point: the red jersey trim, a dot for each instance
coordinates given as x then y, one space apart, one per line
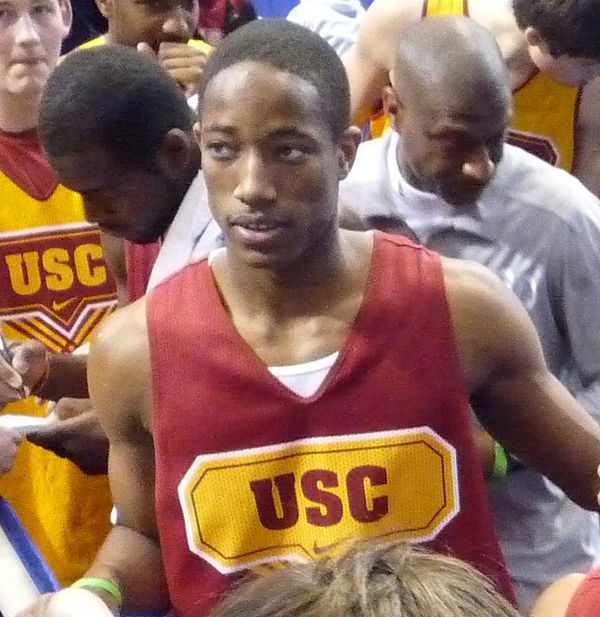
22 161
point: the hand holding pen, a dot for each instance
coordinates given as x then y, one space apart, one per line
19 369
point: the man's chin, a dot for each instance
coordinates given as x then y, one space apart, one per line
130 235
462 199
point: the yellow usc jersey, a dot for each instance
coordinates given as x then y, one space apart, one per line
54 287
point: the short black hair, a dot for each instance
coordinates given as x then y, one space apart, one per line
238 14
568 27
113 97
291 48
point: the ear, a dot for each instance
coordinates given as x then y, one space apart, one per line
392 106
537 41
176 153
105 7
66 11
533 37
347 145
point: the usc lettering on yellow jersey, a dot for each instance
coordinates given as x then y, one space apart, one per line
54 287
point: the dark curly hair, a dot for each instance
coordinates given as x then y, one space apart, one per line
568 27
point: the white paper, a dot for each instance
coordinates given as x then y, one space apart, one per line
20 423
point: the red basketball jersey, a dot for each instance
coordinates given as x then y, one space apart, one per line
249 473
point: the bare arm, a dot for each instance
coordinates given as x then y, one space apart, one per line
587 138
120 387
514 395
370 60
66 373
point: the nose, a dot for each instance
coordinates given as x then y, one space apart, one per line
479 167
179 24
25 30
254 187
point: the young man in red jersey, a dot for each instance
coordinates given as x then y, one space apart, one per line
307 385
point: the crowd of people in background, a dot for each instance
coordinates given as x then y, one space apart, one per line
304 291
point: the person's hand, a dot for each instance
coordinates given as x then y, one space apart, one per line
74 433
38 608
67 408
29 363
9 444
69 602
184 63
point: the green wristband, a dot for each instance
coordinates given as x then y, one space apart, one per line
500 462
100 583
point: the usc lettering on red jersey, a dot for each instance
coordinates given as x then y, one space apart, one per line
298 500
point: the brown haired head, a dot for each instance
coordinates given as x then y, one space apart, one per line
370 580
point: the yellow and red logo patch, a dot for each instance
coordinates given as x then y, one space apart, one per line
54 284
300 500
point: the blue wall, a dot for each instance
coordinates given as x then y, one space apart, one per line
280 8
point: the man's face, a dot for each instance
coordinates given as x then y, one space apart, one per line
452 141
130 202
152 21
31 33
270 163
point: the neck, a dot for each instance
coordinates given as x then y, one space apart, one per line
19 113
110 38
307 285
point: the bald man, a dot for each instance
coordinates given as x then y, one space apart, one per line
552 52
445 172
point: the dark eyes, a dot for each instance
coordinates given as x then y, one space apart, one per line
285 153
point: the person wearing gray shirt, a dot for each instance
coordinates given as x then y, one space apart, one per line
444 171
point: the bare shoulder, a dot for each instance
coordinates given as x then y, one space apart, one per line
471 283
492 330
371 58
497 16
381 26
122 337
554 600
119 373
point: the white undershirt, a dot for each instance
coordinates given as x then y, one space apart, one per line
306 378
303 379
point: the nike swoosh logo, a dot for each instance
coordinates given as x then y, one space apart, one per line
59 306
319 550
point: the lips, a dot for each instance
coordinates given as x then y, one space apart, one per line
28 61
257 232
260 226
257 222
